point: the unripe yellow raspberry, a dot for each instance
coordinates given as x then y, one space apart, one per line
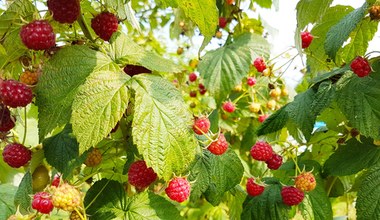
29 78
94 158
306 181
66 197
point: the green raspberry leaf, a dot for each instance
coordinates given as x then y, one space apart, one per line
352 157
266 206
124 50
275 122
16 10
367 204
204 13
316 204
22 197
339 33
332 16
99 104
359 39
107 200
359 100
7 192
224 68
315 11
214 175
62 150
300 112
63 74
161 126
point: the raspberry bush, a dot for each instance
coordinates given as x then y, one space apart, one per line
166 109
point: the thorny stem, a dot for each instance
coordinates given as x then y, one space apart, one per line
84 28
25 127
331 185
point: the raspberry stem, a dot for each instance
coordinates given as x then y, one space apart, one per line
83 217
25 127
84 28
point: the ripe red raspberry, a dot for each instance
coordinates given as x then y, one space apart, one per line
66 197
229 106
7 121
15 94
201 125
64 11
361 67
222 22
178 189
132 70
306 39
38 35
192 77
262 118
219 146
56 180
274 162
253 188
140 176
251 81
305 181
16 155
94 158
193 94
259 64
261 151
202 89
42 202
104 25
230 2
291 195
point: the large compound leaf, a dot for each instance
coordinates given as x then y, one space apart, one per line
359 38
224 68
62 150
107 200
18 8
22 197
352 157
300 112
124 50
332 16
204 13
57 87
214 175
268 205
161 126
359 100
275 122
7 192
98 106
367 204
225 173
316 203
311 11
339 33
